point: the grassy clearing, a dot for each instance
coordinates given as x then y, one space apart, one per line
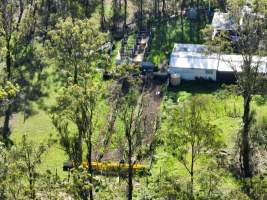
39 126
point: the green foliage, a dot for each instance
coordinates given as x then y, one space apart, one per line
8 91
50 186
210 181
74 42
80 185
260 100
19 169
76 45
191 135
76 106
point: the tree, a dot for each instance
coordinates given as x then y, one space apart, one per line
8 93
210 181
81 184
30 156
250 29
136 124
76 44
88 107
8 29
19 169
191 135
17 28
251 34
78 106
131 116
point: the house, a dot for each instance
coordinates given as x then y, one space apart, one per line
193 62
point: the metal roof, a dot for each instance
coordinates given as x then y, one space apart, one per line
189 56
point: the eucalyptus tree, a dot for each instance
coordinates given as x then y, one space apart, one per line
190 135
8 32
17 28
131 115
19 169
251 80
75 47
137 125
8 91
78 106
251 46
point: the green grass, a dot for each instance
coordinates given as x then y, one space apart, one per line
222 116
39 127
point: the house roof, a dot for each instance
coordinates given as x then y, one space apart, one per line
193 56
223 21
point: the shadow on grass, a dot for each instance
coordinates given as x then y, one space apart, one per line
197 87
170 32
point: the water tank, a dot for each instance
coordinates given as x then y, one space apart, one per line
175 79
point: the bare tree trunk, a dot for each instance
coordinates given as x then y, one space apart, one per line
79 151
8 58
47 17
31 183
192 173
120 5
192 184
90 169
182 20
163 7
125 15
102 14
130 169
21 10
155 8
245 146
141 14
6 128
87 8
75 74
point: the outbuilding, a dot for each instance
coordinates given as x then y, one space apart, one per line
193 62
223 22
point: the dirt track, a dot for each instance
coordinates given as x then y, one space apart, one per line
151 112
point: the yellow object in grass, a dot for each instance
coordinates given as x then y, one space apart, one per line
113 166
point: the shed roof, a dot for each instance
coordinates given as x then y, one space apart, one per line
190 56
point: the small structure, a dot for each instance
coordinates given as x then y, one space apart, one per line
193 62
222 22
138 51
147 66
228 23
175 79
192 13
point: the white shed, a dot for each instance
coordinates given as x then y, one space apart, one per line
192 61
